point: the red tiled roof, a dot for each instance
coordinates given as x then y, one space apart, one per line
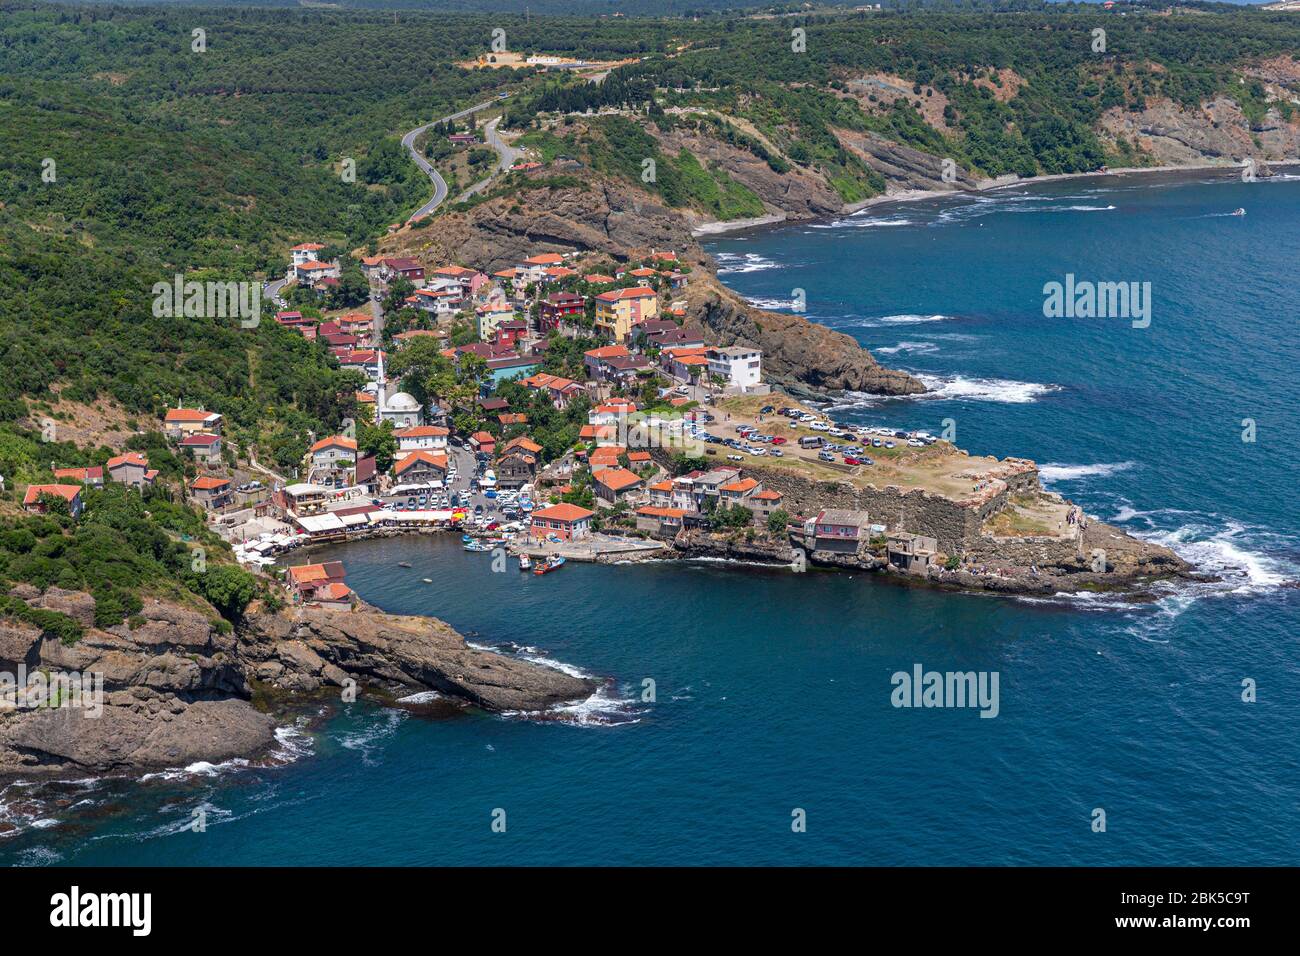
563 512
349 443
129 458
437 459
66 492
189 415
636 292
618 479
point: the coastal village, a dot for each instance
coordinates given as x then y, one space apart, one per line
673 446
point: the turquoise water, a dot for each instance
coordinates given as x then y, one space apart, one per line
773 690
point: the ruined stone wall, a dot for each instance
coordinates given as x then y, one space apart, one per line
953 524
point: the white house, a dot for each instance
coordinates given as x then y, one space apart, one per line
304 253
741 367
422 438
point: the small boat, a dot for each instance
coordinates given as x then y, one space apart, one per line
427 580
1239 211
525 562
554 563
477 546
403 564
466 539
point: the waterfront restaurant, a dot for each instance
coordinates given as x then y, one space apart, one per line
564 521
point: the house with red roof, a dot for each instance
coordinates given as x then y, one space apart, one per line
203 448
660 520
131 469
305 581
332 461
619 309
303 253
403 268
557 307
33 498
92 477
533 269
179 422
616 484
211 492
763 503
420 468
564 521
482 442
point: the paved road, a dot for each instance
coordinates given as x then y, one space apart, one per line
507 156
272 291
439 184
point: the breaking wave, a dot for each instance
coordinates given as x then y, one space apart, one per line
1053 471
731 263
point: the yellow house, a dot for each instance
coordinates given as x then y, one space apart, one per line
618 310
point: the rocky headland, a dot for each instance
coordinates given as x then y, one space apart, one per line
181 686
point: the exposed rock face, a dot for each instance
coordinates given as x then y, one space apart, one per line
307 648
903 167
799 192
607 216
1216 130
173 693
176 689
803 357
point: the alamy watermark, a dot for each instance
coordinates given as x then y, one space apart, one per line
208 300
639 431
45 689
922 688
1084 299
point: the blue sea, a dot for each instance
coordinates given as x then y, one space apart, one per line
771 691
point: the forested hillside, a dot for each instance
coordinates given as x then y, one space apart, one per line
167 159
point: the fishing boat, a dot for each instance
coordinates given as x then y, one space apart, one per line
477 546
525 563
553 563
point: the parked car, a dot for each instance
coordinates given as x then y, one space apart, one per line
778 440
825 455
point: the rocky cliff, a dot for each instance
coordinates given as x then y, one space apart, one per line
805 358
309 648
176 687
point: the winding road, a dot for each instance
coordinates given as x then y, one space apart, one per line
439 184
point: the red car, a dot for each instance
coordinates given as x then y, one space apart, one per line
849 460
778 440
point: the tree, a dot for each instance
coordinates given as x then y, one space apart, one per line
778 521
228 588
379 441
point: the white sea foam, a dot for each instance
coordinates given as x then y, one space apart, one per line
947 387
1053 471
909 319
921 348
730 263
772 305
862 222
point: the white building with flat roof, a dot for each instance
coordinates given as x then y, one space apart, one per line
739 366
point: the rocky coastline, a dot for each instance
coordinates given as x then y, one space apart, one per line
181 686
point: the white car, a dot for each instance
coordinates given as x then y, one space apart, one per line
820 427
